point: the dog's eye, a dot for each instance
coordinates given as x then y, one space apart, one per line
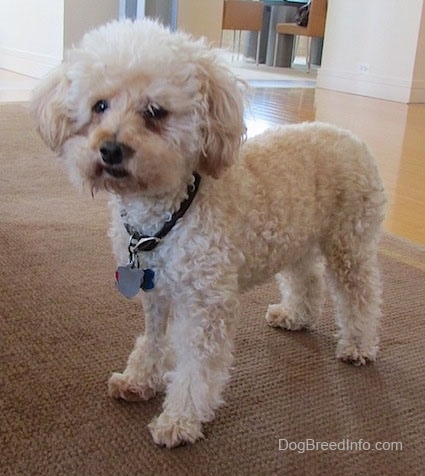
101 106
153 111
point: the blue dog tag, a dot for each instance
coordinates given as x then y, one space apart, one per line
147 283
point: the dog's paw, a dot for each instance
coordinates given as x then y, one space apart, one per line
171 432
352 354
120 387
278 316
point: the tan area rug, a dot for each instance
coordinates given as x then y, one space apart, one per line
63 329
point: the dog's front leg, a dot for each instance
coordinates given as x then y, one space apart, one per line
201 337
149 360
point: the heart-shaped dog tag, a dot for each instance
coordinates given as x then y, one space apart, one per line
129 280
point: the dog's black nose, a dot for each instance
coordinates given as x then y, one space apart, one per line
113 152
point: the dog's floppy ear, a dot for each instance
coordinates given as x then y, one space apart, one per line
48 107
223 122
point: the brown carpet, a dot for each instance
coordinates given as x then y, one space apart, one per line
64 329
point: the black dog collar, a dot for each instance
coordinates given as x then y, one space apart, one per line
139 242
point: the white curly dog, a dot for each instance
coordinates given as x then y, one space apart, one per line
199 216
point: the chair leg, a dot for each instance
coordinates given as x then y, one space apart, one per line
239 44
276 43
309 40
294 49
233 44
257 56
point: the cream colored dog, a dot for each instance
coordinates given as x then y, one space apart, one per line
156 119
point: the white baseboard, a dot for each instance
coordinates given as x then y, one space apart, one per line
27 63
372 85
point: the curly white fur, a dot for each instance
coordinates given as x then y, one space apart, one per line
290 202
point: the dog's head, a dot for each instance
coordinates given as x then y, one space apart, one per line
135 108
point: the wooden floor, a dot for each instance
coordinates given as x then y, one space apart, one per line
394 132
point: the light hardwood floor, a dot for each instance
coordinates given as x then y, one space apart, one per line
395 133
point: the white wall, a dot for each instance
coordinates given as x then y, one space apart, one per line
31 35
34 33
370 48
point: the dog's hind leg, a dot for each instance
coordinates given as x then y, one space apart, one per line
302 290
357 295
150 358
